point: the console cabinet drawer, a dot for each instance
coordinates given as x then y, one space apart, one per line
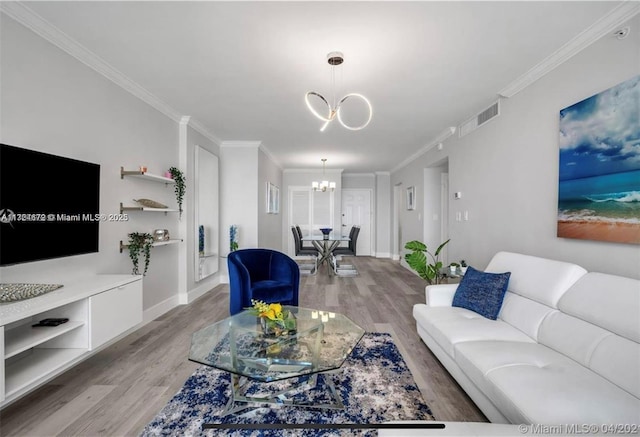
114 312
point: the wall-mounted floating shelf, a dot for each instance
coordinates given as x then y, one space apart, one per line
124 247
145 209
145 175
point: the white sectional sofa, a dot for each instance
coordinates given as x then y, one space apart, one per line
564 349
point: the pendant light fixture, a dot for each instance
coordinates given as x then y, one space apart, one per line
323 185
334 109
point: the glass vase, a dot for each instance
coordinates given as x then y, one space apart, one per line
276 328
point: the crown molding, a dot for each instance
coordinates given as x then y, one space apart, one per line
28 18
270 155
24 15
240 143
201 129
424 149
358 175
253 145
383 173
591 34
337 171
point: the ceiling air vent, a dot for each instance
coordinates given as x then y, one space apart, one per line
479 119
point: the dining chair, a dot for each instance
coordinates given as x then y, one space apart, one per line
350 250
261 274
300 250
302 246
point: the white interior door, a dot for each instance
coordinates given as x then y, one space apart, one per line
356 210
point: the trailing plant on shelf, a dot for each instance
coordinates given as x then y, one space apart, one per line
180 186
419 261
140 242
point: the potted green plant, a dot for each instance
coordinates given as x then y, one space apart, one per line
418 260
179 189
140 243
453 268
463 267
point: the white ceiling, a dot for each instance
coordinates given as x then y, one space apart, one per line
241 69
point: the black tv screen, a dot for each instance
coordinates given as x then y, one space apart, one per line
49 206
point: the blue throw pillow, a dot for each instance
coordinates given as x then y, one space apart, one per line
482 292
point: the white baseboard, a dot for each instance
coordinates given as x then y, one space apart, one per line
200 291
382 255
159 309
395 257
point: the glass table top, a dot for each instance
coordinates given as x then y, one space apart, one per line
322 341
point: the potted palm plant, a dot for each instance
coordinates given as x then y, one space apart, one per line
425 263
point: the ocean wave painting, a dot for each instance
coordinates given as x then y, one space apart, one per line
599 180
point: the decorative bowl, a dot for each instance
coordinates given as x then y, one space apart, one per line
161 235
326 231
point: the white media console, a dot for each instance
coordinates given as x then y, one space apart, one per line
99 308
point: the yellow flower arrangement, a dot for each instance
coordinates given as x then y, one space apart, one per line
272 317
272 311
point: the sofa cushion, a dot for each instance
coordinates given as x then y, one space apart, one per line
530 383
540 279
611 302
482 292
612 356
523 313
478 358
452 325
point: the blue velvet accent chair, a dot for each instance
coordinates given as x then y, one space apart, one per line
261 274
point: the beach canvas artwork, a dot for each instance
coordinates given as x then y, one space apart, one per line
599 183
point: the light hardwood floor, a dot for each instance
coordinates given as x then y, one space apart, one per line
120 389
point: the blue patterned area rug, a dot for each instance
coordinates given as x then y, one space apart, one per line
375 385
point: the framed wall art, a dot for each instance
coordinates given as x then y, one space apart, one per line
411 198
599 171
273 199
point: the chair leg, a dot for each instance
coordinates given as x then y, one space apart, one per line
312 270
344 269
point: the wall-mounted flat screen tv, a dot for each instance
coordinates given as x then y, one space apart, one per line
49 206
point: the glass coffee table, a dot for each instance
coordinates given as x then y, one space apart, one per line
321 343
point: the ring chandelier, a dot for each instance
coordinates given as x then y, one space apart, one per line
336 58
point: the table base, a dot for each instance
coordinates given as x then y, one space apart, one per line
283 397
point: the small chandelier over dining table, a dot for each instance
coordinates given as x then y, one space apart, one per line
324 184
334 109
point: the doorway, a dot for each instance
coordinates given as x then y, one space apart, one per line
436 207
397 233
356 210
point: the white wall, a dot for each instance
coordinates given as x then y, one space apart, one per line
193 287
431 209
383 215
269 225
53 103
507 170
410 222
239 198
359 180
